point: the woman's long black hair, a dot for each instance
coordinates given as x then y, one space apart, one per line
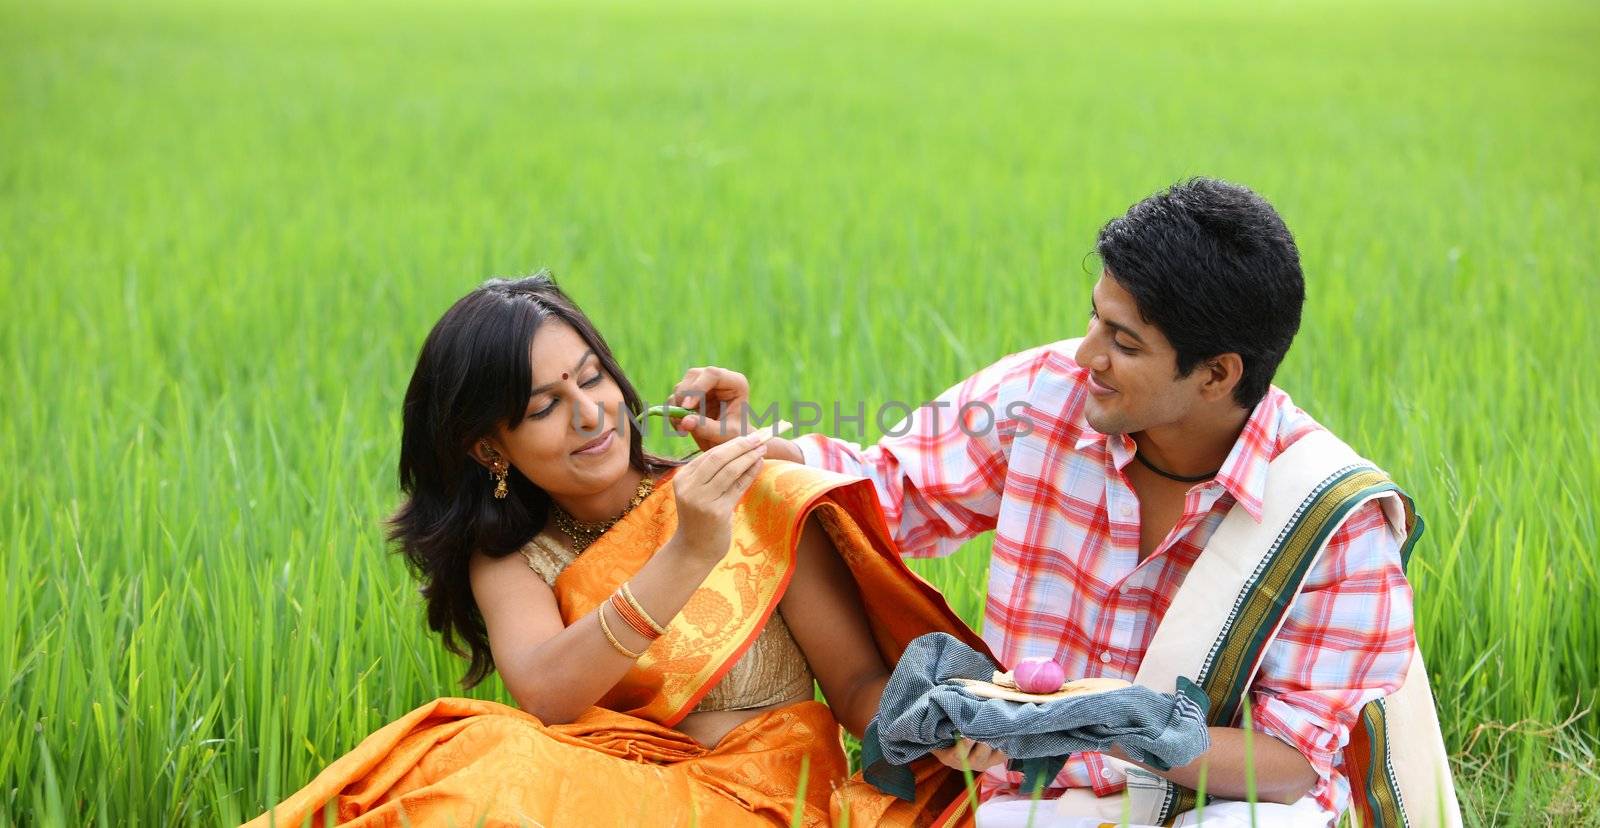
475 371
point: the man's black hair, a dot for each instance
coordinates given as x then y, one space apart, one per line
1213 266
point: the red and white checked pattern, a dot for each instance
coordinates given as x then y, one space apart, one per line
1065 579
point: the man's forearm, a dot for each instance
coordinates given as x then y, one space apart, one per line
1281 773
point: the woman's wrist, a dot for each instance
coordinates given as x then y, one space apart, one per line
692 557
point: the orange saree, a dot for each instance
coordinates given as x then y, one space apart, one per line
469 762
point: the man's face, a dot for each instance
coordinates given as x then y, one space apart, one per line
1133 382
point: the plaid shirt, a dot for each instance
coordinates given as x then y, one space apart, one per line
1065 580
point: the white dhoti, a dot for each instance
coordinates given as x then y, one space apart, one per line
1012 811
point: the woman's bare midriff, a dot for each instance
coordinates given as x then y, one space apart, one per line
708 727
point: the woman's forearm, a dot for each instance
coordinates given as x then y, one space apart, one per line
825 614
566 674
862 705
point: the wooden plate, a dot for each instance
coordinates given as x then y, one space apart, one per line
1072 689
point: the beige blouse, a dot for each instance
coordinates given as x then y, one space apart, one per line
773 669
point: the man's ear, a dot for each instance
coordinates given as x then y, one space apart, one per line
1223 373
485 453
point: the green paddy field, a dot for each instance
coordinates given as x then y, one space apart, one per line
226 227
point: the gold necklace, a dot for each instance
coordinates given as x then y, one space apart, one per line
585 534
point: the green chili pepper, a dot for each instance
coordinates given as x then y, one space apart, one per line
676 412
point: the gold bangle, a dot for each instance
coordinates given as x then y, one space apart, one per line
615 644
630 617
627 595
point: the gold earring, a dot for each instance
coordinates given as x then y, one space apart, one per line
497 470
500 473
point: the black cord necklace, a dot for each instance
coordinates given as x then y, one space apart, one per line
1199 478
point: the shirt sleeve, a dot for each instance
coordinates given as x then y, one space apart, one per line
1347 640
940 472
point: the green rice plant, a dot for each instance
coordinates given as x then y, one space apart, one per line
226 227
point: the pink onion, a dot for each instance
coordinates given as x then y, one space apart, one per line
1038 675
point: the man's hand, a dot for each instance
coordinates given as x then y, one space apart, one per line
725 397
977 756
1281 774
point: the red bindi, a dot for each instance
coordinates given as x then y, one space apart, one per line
563 374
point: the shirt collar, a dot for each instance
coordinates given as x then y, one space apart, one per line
1243 473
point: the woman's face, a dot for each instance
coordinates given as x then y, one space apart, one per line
572 440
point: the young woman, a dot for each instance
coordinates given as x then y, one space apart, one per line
659 624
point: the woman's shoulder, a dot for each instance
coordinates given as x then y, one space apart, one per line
546 555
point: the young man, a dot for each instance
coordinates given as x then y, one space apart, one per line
1104 466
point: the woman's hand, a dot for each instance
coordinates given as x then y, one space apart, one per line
706 490
966 754
554 670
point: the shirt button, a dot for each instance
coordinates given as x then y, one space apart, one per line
1105 773
1127 510
1123 589
1105 657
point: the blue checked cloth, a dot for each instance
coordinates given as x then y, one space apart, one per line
920 712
